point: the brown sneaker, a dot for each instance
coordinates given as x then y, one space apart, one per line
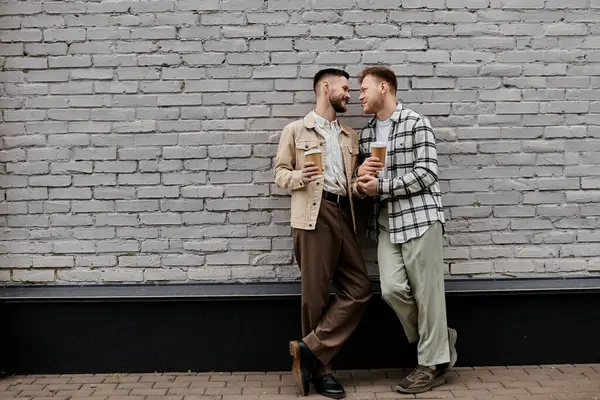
420 380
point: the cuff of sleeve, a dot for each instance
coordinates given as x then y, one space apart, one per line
297 182
357 192
384 187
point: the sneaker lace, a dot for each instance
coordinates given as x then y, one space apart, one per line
419 373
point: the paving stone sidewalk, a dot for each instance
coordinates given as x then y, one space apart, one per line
552 382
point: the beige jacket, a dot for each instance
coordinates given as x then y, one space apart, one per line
298 137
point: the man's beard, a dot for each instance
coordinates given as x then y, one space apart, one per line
375 106
338 104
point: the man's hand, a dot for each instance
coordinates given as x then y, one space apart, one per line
371 166
368 185
309 172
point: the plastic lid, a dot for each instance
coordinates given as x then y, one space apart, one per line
378 144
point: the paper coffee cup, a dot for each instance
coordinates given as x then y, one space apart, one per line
379 149
315 157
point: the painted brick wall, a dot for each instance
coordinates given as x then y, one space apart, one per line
138 136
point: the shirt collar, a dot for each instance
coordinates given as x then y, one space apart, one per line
309 123
323 123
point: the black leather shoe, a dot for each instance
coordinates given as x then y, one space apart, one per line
303 364
327 385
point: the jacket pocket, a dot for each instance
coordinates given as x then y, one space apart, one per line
352 150
305 145
350 154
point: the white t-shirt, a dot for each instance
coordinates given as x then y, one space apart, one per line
383 132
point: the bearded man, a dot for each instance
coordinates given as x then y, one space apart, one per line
323 230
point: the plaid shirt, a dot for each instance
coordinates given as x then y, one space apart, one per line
415 201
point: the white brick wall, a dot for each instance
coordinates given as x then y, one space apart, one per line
138 136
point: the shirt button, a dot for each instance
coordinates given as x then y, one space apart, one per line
314 204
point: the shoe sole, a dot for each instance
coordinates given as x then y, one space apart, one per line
334 396
297 367
436 382
452 338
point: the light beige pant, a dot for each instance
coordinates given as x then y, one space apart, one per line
412 283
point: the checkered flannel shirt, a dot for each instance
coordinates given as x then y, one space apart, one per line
415 201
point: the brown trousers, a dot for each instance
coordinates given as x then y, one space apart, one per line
330 253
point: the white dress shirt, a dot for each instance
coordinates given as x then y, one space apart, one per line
334 176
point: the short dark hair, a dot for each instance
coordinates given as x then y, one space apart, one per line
327 72
383 73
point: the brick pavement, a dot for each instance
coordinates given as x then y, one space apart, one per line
558 382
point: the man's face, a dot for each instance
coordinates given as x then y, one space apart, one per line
339 93
371 94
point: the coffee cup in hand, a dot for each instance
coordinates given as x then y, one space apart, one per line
314 156
379 149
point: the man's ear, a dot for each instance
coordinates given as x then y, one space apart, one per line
326 87
384 87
